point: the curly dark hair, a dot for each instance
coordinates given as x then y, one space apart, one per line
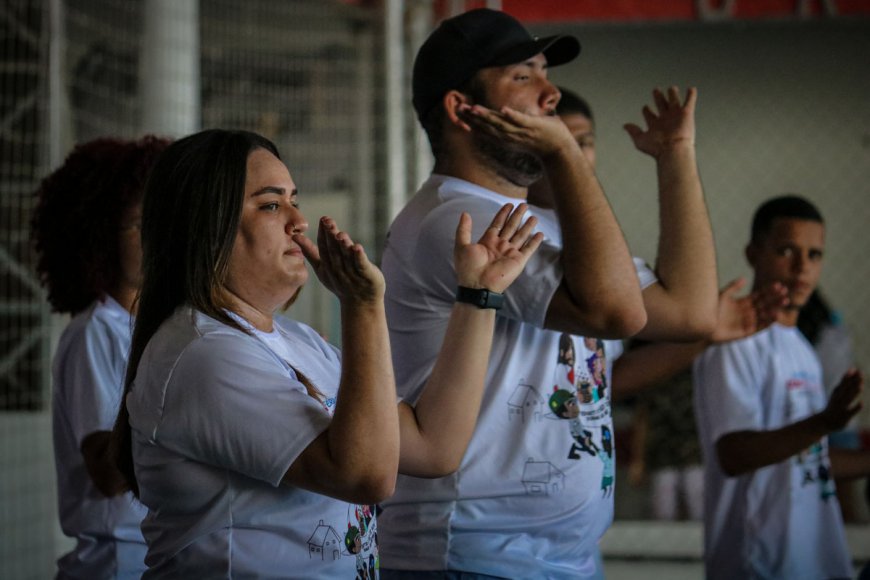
75 224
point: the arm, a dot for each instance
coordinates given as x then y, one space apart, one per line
682 305
436 431
100 465
356 457
740 452
850 463
600 294
652 364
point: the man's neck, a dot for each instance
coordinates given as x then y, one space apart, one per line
479 174
788 316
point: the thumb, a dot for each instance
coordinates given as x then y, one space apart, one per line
309 249
633 131
733 287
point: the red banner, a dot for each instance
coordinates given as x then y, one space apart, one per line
671 10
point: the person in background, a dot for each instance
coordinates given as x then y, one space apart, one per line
764 417
86 233
257 447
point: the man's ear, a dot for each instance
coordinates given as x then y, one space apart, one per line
456 105
751 253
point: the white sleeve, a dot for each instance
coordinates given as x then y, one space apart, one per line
527 299
727 379
92 374
645 274
229 403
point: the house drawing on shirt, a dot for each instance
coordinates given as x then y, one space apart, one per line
542 478
324 543
525 403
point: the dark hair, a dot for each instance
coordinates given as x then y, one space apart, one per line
814 316
190 215
573 104
78 212
565 344
433 121
784 206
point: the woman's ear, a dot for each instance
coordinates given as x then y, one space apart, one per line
457 105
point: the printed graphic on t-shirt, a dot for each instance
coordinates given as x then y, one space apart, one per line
542 478
813 462
360 541
581 398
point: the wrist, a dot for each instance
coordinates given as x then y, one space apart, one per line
480 297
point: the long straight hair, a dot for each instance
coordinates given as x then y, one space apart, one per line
190 214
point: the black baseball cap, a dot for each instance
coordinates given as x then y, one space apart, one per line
478 39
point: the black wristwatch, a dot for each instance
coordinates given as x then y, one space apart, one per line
480 297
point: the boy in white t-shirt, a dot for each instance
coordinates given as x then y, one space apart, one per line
764 417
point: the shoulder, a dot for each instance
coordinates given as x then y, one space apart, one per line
97 328
300 332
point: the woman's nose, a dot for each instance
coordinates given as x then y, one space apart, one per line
296 222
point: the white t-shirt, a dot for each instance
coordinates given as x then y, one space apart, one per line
781 521
218 417
534 492
88 376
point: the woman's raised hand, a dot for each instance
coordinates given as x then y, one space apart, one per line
500 254
341 264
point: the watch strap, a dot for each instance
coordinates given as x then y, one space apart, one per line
480 297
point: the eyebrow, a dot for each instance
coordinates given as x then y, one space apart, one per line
272 189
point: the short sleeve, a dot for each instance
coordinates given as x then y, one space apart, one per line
526 299
645 274
230 403
727 381
91 376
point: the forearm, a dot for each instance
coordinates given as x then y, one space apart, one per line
363 437
686 259
435 433
598 270
100 464
850 463
744 451
652 364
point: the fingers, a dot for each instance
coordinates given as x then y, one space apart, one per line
633 131
324 233
504 223
513 223
309 249
733 287
847 395
659 99
532 244
691 99
671 99
463 231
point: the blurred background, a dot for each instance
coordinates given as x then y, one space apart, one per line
784 106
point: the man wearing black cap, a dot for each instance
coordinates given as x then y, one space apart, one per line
534 492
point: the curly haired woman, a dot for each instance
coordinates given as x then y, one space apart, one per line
86 230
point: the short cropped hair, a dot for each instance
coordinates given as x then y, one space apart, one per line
75 225
573 104
784 206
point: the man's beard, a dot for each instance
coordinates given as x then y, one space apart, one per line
519 166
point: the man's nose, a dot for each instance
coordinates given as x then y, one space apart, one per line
550 96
